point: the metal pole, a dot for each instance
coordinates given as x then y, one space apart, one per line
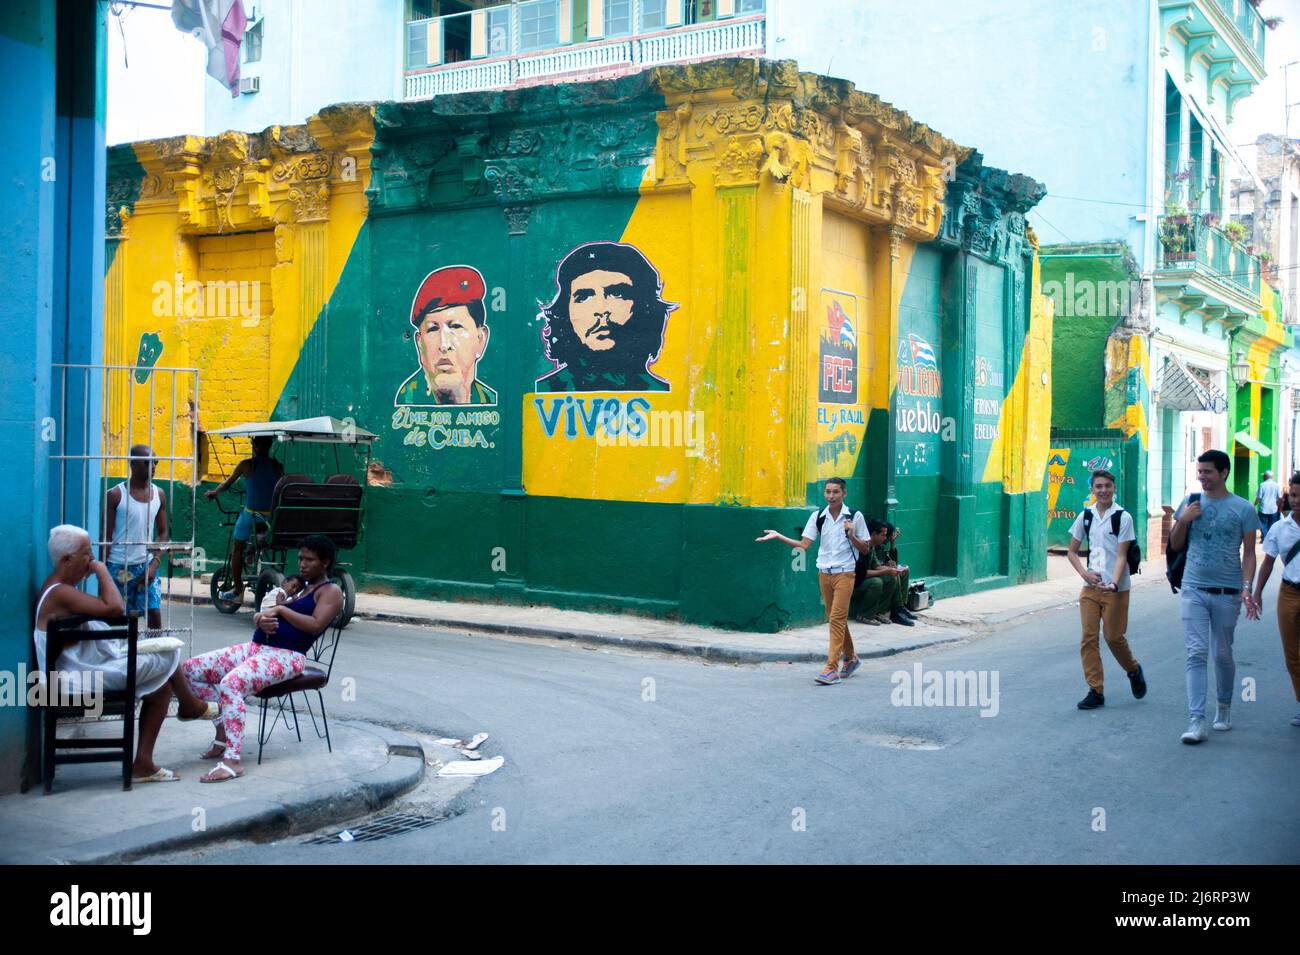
63 444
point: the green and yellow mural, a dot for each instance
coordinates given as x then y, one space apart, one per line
607 330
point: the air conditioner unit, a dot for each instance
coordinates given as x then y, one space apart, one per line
250 84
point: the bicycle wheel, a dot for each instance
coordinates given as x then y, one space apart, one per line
349 588
221 581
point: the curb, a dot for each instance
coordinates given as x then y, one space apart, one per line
714 652
721 653
309 809
986 621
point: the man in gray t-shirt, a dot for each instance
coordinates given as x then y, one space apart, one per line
1218 529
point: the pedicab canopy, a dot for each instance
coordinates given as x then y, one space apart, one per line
323 429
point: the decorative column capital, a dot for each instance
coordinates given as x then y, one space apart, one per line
517 218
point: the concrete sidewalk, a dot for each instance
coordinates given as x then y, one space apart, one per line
89 818
956 618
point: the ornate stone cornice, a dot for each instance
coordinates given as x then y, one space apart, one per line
758 121
986 211
237 181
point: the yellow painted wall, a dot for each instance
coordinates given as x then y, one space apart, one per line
218 210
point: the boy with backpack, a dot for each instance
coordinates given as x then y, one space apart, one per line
840 561
1216 529
1113 554
1282 545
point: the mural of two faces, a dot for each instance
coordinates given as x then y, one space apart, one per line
603 329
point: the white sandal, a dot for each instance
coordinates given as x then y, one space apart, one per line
215 742
229 773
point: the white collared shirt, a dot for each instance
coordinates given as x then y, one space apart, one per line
835 552
1103 545
1281 538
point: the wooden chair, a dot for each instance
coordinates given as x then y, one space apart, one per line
62 633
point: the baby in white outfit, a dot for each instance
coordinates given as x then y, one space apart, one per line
282 594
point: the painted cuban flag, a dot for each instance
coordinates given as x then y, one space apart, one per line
220 26
922 353
841 326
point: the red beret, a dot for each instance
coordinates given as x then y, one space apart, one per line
454 285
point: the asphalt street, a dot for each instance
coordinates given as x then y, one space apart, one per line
617 756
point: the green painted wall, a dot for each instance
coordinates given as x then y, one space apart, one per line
1079 279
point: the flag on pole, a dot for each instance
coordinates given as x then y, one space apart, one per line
220 25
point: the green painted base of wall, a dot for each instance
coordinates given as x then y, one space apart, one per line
696 563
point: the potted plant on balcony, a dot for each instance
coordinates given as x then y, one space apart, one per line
1235 232
1176 233
1268 266
1210 220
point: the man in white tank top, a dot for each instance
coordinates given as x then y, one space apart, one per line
135 517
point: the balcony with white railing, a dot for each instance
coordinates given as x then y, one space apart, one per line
532 42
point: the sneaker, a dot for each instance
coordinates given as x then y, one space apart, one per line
828 677
1196 731
881 618
227 595
1138 681
1223 717
849 667
1092 700
870 621
900 618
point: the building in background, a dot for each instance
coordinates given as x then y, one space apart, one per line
1268 205
1167 340
814 285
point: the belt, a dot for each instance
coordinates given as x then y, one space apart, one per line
840 569
1219 591
1289 583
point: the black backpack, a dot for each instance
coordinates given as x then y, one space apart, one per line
1134 554
1176 560
859 558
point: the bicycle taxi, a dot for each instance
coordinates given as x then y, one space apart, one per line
300 506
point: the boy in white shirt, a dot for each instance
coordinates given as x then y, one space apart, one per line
1283 542
1103 602
844 541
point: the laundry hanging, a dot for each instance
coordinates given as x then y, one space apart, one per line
220 25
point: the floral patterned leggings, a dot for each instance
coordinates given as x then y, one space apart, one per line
228 675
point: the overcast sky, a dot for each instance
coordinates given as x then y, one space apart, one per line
161 92
1263 111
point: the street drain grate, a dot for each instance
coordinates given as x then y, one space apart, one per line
394 824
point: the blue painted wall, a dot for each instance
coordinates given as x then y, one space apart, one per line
51 224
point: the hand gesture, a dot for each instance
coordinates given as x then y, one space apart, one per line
94 567
768 535
1191 512
1093 578
210 494
267 621
1253 607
